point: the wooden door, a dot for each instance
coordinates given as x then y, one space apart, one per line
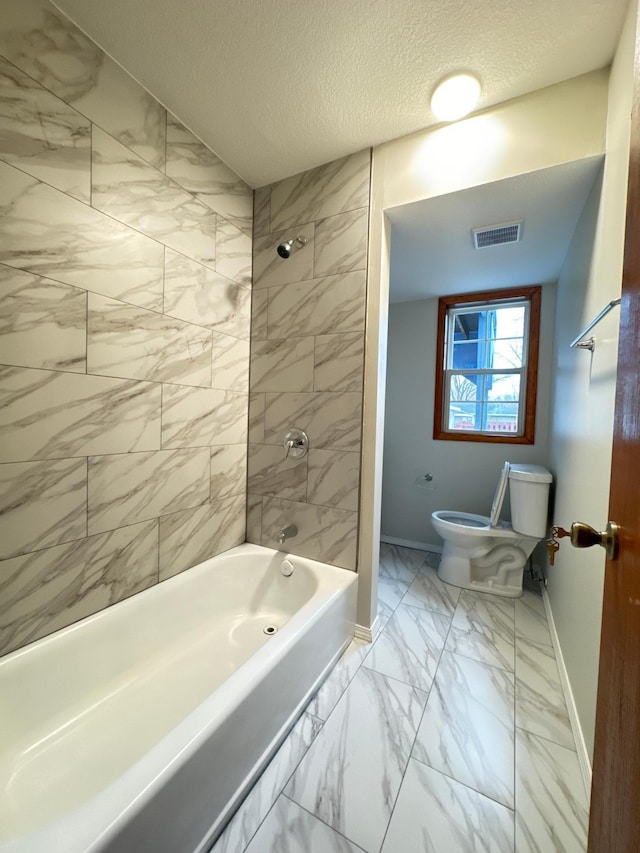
615 802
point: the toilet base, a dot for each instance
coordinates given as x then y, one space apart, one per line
498 571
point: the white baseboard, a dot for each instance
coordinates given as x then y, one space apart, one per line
410 543
581 746
368 634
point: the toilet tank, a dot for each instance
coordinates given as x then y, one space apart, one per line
529 489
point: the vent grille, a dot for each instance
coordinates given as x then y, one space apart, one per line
497 235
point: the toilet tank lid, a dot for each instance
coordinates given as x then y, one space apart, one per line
532 473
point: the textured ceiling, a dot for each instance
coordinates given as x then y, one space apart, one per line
431 245
275 87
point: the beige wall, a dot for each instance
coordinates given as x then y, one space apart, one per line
582 421
465 474
125 273
552 126
307 352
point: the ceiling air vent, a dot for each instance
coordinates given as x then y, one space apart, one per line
497 235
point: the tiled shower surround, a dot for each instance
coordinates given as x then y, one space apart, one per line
125 302
307 354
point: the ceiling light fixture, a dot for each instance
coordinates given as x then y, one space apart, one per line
455 97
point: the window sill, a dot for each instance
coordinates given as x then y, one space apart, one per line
441 435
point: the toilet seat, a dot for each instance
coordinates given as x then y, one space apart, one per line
474 525
498 498
464 519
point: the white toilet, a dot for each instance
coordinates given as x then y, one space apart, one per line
487 554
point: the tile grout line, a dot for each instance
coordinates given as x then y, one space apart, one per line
110 215
166 141
135 379
132 453
287 780
332 828
86 340
464 784
77 539
158 551
347 685
134 154
424 710
90 164
548 654
546 739
79 112
120 222
462 654
511 809
401 603
123 526
313 280
425 609
86 535
162 447
164 282
482 663
227 281
394 677
314 362
358 668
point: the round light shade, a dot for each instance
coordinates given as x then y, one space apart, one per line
455 97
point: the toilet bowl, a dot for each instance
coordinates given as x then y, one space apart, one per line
481 552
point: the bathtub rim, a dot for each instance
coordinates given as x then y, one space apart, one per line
96 822
131 601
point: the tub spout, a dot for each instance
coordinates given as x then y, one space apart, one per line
287 532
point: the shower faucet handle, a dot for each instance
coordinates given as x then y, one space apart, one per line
296 444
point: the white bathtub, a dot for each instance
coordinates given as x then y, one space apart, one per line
141 728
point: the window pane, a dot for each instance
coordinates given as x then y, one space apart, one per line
510 322
507 353
463 416
469 355
502 417
502 386
486 354
463 388
469 326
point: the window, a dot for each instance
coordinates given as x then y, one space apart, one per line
487 366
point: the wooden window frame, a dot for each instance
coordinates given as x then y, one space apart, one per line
534 295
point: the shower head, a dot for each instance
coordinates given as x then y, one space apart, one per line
285 249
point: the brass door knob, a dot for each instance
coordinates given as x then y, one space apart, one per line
584 536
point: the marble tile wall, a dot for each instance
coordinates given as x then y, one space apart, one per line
307 355
125 312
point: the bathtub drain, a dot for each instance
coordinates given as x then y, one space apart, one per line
270 629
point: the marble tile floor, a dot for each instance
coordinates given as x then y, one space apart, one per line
449 733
